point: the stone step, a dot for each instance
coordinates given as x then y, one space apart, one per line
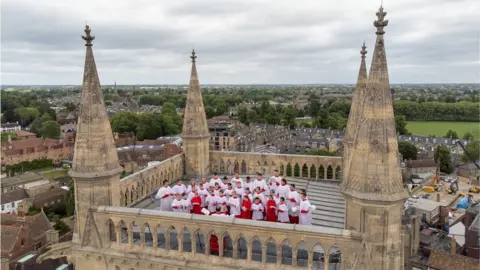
327 218
320 207
323 184
327 204
325 195
328 224
322 199
326 214
331 188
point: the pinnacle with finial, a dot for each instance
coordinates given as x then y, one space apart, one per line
363 52
193 57
381 22
88 38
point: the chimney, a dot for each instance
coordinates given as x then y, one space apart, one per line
454 245
438 197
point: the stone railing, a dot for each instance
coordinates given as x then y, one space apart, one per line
184 240
136 187
305 166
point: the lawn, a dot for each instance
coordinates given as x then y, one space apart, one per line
55 174
440 129
42 169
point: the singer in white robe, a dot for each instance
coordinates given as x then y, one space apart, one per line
261 184
186 204
274 181
179 188
203 193
234 203
165 198
236 179
282 190
258 210
305 212
283 212
212 203
177 204
293 201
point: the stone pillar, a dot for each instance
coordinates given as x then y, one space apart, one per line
249 252
310 259
279 254
326 260
155 238
142 237
118 234
180 242
264 254
130 237
220 247
294 257
193 239
167 239
207 245
334 172
235 250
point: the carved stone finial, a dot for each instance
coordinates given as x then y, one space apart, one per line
193 57
363 52
88 38
381 22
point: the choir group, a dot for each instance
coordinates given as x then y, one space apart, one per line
273 201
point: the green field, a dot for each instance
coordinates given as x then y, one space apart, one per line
440 129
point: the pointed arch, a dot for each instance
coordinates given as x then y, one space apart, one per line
286 254
132 195
242 249
265 163
111 233
200 242
244 167
236 167
122 198
329 172
296 170
271 253
222 165
337 172
229 166
127 197
302 254
187 240
172 232
313 172
136 230
161 241
214 242
123 232
304 170
335 257
289 170
147 235
321 172
228 245
273 163
318 256
256 247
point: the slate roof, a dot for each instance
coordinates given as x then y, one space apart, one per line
16 195
441 260
9 237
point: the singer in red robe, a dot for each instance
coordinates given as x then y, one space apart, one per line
214 247
197 204
246 208
271 209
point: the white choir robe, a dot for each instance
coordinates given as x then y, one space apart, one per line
257 211
212 203
203 193
239 192
283 213
263 201
249 185
274 182
216 191
222 200
165 198
223 186
206 185
295 196
250 196
187 204
228 192
305 218
234 206
191 188
282 191
179 189
215 180
261 183
236 180
177 205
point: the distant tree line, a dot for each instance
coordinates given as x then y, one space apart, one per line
28 166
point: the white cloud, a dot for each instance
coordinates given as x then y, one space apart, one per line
237 41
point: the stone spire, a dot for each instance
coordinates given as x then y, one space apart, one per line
355 111
195 132
195 120
95 152
374 173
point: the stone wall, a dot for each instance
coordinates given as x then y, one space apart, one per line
182 241
135 187
304 166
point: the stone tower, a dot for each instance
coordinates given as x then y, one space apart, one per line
195 132
355 109
95 169
373 188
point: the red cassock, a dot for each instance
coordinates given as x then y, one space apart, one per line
271 212
214 247
197 205
247 214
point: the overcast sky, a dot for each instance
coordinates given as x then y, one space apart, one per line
237 41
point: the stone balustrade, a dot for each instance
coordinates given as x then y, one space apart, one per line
186 238
304 166
137 186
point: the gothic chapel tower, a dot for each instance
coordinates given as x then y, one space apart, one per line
195 132
95 169
373 185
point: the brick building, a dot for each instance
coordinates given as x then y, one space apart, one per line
14 152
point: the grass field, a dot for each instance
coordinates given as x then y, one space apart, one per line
55 174
440 129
